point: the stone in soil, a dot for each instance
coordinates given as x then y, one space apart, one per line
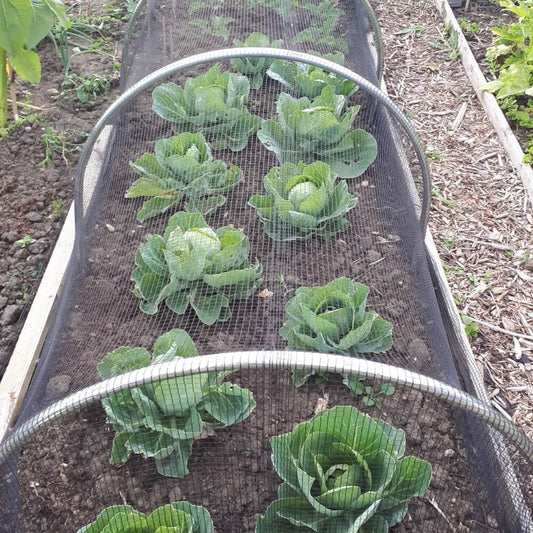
10 315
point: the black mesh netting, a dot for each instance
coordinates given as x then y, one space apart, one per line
303 259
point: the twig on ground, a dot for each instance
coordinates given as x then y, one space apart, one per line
434 504
502 330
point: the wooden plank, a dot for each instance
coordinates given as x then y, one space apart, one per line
18 374
22 364
488 101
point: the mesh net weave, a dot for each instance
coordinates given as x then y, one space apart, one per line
255 274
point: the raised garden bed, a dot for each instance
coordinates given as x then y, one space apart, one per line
381 248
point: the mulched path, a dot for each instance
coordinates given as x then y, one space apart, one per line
481 216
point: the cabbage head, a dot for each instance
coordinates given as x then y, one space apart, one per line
303 200
182 166
213 104
162 420
333 319
178 517
193 264
319 129
308 80
343 472
255 67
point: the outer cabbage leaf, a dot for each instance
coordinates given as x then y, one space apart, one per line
308 80
319 129
255 67
179 517
181 167
303 200
213 104
342 473
332 319
194 265
162 420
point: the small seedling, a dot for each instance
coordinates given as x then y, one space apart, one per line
24 295
438 195
459 299
474 280
215 26
371 398
62 143
450 44
281 280
432 154
25 241
88 89
448 243
471 327
470 27
456 270
57 208
417 30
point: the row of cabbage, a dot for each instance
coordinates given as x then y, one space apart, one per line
342 470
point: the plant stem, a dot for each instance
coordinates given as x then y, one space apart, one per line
13 90
3 88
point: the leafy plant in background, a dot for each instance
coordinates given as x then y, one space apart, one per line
511 58
255 67
333 319
308 130
162 420
325 16
282 7
371 398
343 471
81 35
195 265
181 167
215 26
23 24
178 517
87 89
213 104
308 80
303 200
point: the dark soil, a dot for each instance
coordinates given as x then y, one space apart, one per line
35 196
66 479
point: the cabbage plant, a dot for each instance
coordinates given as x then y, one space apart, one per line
193 264
182 166
308 80
255 67
343 472
319 129
303 200
178 517
333 319
162 420
213 104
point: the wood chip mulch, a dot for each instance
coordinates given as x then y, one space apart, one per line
481 217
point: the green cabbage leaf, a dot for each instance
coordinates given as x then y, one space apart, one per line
333 319
343 471
319 129
192 264
308 80
182 166
162 420
303 200
178 517
255 67
213 104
